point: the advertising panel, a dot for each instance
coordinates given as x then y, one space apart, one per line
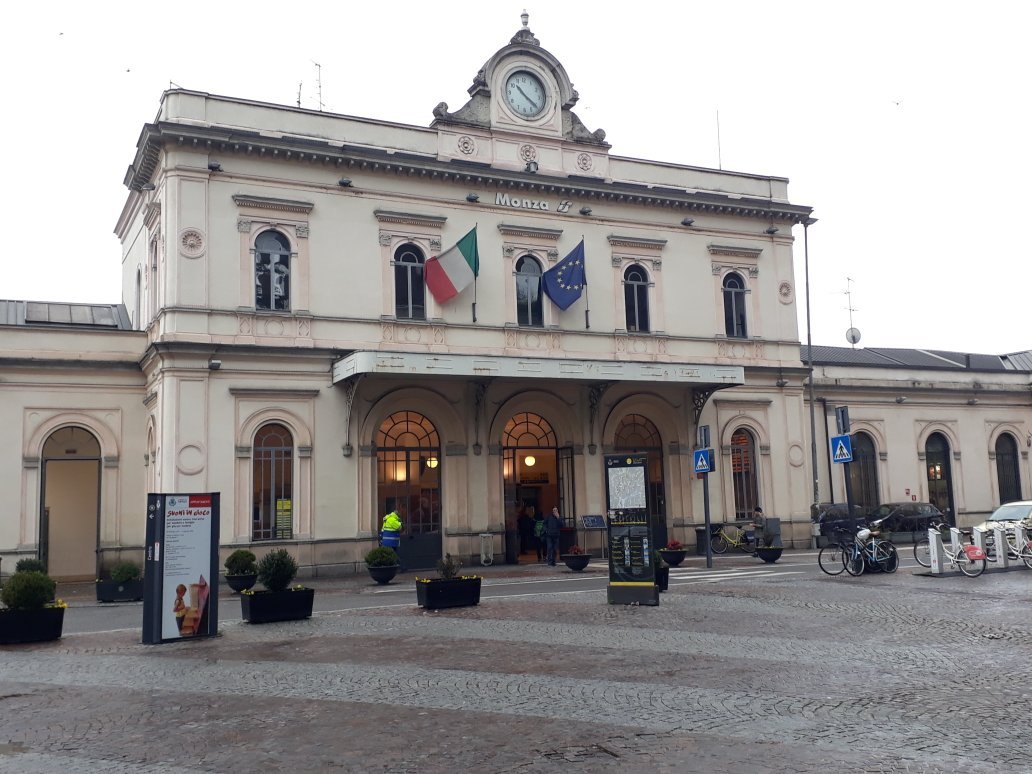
181 578
632 574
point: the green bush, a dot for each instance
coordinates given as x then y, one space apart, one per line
30 564
448 567
381 556
28 591
277 569
241 562
123 572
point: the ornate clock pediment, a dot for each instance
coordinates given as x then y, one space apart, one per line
520 112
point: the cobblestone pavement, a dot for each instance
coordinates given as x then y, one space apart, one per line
798 673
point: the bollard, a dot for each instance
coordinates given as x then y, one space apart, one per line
1020 535
935 550
1002 554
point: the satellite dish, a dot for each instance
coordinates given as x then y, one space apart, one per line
853 335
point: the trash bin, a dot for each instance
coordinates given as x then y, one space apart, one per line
701 540
391 538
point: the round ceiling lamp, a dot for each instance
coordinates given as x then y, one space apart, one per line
432 463
529 461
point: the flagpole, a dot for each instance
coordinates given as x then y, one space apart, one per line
587 301
475 275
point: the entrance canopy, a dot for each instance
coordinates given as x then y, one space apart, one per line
416 364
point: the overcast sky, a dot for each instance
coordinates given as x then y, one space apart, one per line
904 124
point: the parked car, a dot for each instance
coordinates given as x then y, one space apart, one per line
1009 514
835 518
907 516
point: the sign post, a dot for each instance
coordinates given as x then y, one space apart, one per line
702 464
632 570
181 578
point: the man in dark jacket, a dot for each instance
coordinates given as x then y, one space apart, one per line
553 524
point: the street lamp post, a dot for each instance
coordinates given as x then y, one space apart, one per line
809 362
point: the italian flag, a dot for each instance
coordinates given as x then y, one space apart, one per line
454 270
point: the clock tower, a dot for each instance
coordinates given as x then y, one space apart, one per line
520 116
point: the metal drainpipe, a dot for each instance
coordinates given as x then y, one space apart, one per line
827 449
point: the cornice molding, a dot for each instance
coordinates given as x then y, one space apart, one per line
737 252
410 218
272 392
267 203
225 140
636 243
509 229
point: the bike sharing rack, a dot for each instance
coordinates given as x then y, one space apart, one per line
1002 560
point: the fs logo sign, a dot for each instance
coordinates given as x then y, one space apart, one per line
564 206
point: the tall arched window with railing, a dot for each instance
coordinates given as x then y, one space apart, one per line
734 306
744 481
1007 472
409 287
529 311
272 500
863 472
636 299
272 271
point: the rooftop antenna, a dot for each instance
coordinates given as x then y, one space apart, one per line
299 85
853 334
318 82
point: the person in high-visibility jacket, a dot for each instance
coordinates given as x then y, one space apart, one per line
390 533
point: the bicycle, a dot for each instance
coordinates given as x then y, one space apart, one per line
733 537
969 559
869 552
923 553
832 558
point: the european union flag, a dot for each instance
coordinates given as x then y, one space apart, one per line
565 281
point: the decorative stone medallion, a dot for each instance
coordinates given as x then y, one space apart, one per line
584 162
467 145
191 243
785 292
528 152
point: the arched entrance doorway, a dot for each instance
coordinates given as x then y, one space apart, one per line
408 480
637 434
537 475
69 521
940 475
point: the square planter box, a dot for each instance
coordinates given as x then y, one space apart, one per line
113 591
270 606
18 626
454 592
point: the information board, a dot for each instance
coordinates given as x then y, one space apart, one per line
181 575
632 575
593 521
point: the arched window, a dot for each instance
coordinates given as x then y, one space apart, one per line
743 473
636 299
863 472
734 306
528 292
940 476
271 271
408 472
272 509
1007 468
409 288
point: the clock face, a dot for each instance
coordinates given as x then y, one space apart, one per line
525 94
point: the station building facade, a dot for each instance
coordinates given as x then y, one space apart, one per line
278 342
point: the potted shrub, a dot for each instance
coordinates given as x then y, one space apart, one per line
279 601
449 589
30 564
30 613
382 564
674 553
124 585
662 572
575 558
241 570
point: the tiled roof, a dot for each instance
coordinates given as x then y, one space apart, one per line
102 316
879 357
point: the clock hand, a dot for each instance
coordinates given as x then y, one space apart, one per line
521 91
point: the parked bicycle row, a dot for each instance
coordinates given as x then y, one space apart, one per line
863 551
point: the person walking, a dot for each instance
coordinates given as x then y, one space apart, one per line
539 531
553 525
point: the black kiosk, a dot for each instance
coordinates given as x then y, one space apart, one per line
632 575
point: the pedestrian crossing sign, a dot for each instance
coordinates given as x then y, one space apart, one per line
842 448
702 460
